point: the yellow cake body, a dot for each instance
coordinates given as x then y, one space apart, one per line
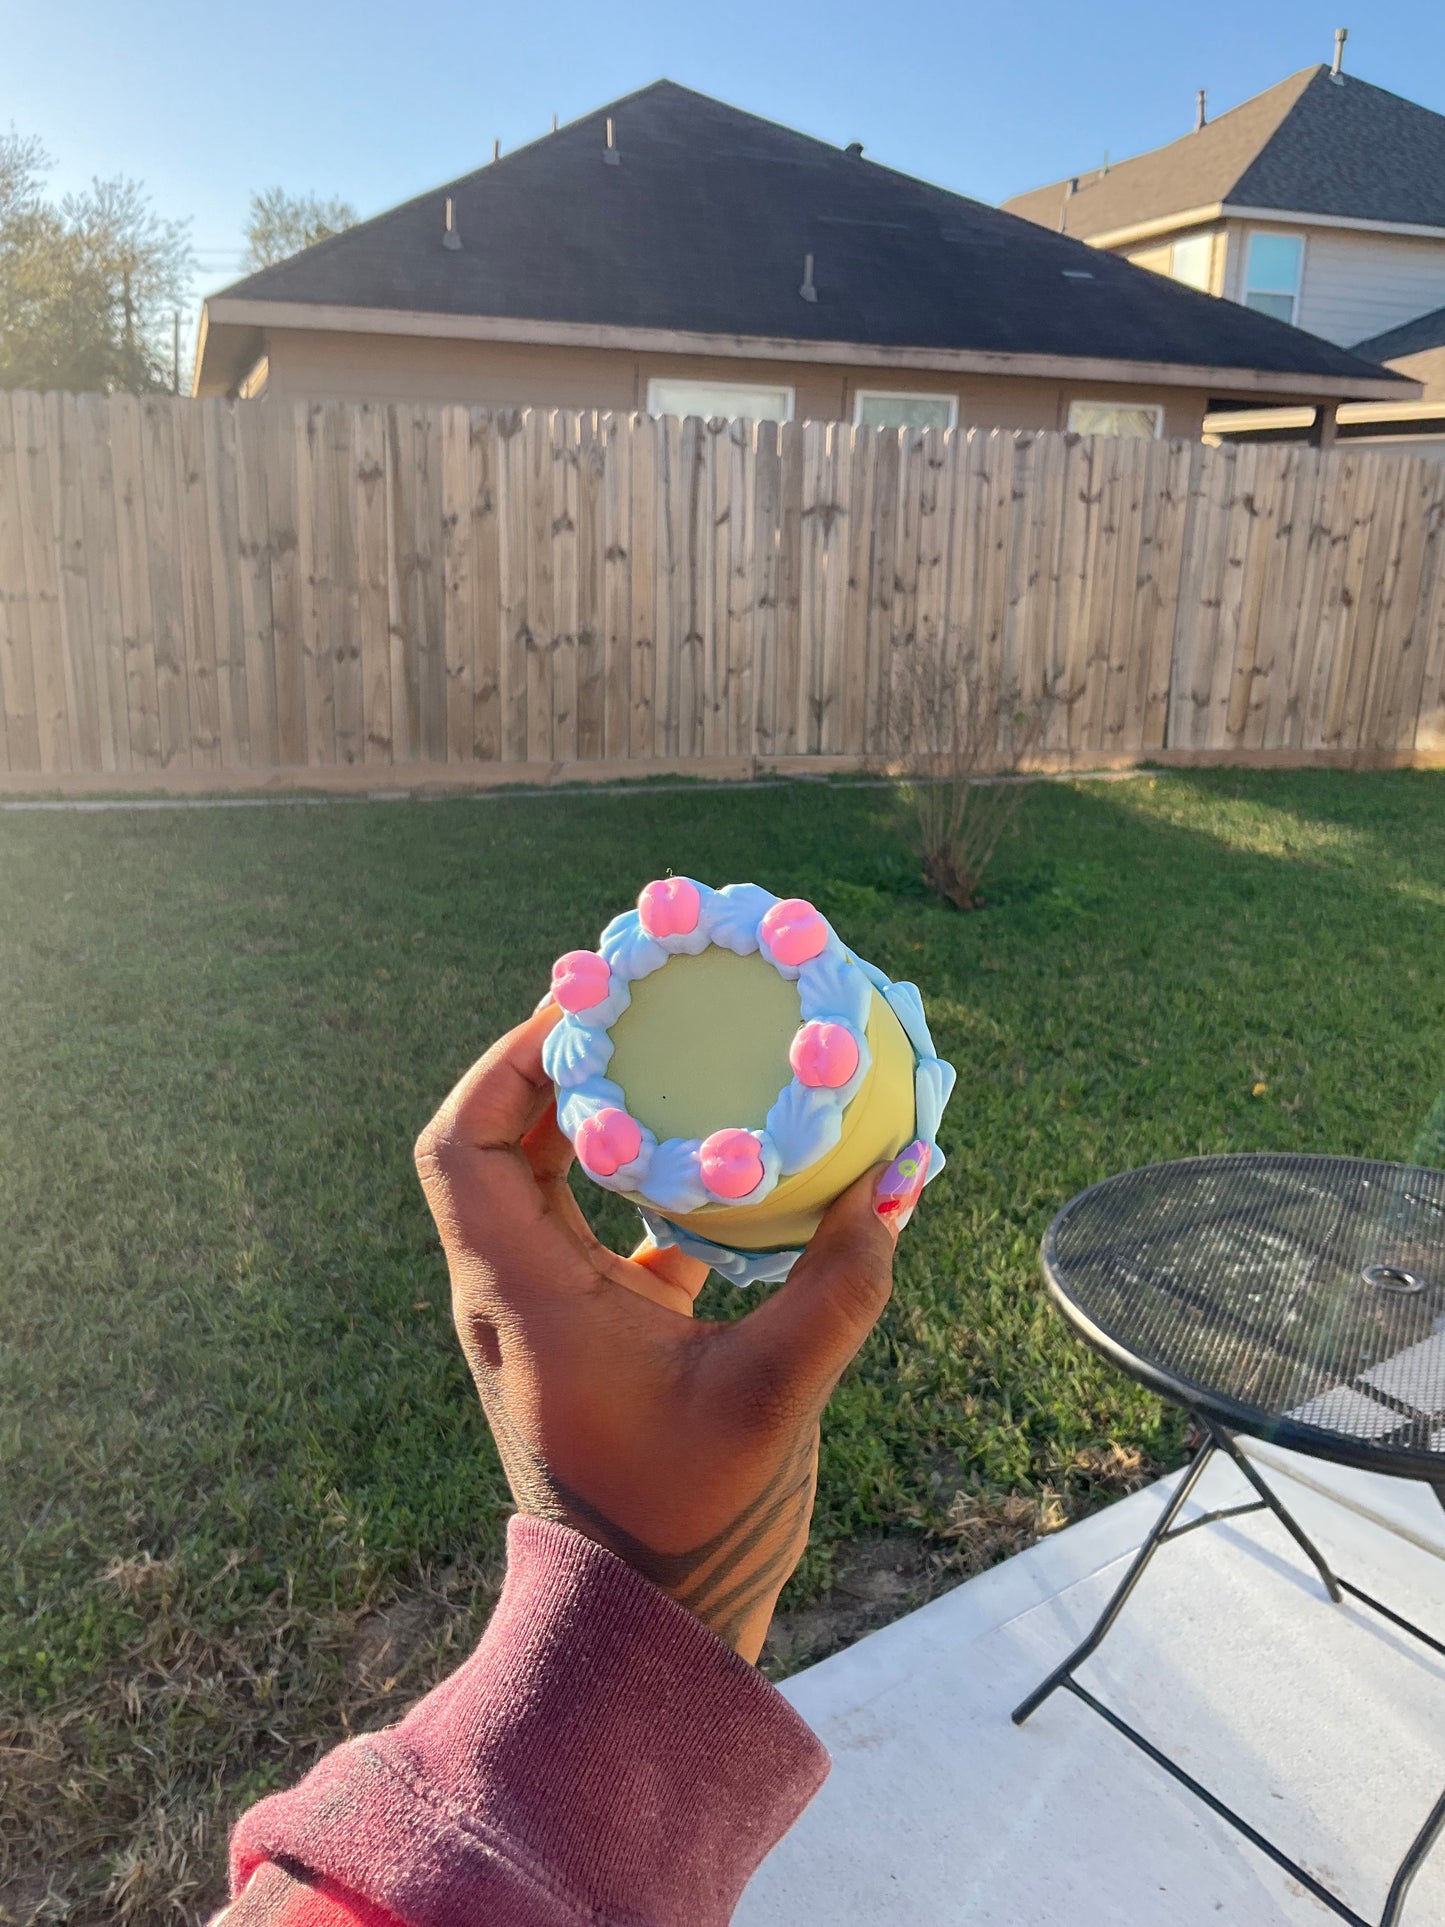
704 1045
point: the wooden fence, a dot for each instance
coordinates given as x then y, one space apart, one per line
209 594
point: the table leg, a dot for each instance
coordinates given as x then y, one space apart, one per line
1121 1593
1224 1441
1411 1864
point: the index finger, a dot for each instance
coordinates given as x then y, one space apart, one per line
501 1097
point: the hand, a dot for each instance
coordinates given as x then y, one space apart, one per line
688 1449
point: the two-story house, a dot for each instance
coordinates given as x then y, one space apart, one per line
1320 202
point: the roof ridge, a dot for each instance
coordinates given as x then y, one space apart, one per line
1304 75
328 241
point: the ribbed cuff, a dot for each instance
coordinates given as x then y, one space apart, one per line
602 1757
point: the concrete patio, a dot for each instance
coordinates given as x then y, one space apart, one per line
1322 1725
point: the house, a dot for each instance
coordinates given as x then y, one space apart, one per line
1320 202
671 254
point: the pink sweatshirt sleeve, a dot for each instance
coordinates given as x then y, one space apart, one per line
602 1757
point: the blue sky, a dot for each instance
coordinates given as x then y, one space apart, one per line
378 101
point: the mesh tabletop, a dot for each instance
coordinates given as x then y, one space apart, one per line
1300 1299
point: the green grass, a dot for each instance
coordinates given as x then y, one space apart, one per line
246 1497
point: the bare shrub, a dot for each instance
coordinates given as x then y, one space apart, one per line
961 741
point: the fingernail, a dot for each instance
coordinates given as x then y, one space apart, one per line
542 1004
899 1187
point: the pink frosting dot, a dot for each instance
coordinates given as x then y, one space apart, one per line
607 1140
824 1055
670 907
731 1163
794 931
580 979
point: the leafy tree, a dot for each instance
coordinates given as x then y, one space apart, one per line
88 287
281 224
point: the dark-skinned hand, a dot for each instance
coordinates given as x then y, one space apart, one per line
687 1448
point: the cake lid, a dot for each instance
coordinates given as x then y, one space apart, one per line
829 1056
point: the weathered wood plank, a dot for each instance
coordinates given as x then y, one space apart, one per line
281 439
424 573
487 597
348 696
513 456
880 724
198 613
97 510
541 701
82 692
717 534
133 583
696 588
366 462
254 548
1396 728
644 509
1160 592
791 681
855 559
1365 560
741 458
588 618
17 668
1248 693
567 433
315 544
458 586
228 612
42 580
1116 724
158 466
765 587
615 539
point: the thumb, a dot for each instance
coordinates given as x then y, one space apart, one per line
810 1330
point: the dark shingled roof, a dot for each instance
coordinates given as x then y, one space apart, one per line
1311 145
703 224
1415 337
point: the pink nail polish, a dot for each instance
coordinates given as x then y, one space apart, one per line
899 1187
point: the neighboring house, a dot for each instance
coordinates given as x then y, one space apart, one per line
672 254
1320 202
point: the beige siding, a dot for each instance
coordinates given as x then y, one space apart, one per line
1428 368
1355 284
1156 259
315 365
1159 255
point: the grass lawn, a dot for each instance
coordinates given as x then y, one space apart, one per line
247 1502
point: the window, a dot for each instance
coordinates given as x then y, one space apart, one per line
882 408
1191 261
733 400
1145 418
1272 274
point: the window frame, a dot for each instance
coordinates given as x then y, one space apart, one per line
726 387
860 395
1093 401
1247 289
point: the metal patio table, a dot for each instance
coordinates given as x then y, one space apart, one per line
1295 1299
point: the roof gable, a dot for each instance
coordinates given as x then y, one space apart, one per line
702 226
1197 170
1313 144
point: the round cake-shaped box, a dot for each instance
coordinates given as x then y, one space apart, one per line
728 1064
